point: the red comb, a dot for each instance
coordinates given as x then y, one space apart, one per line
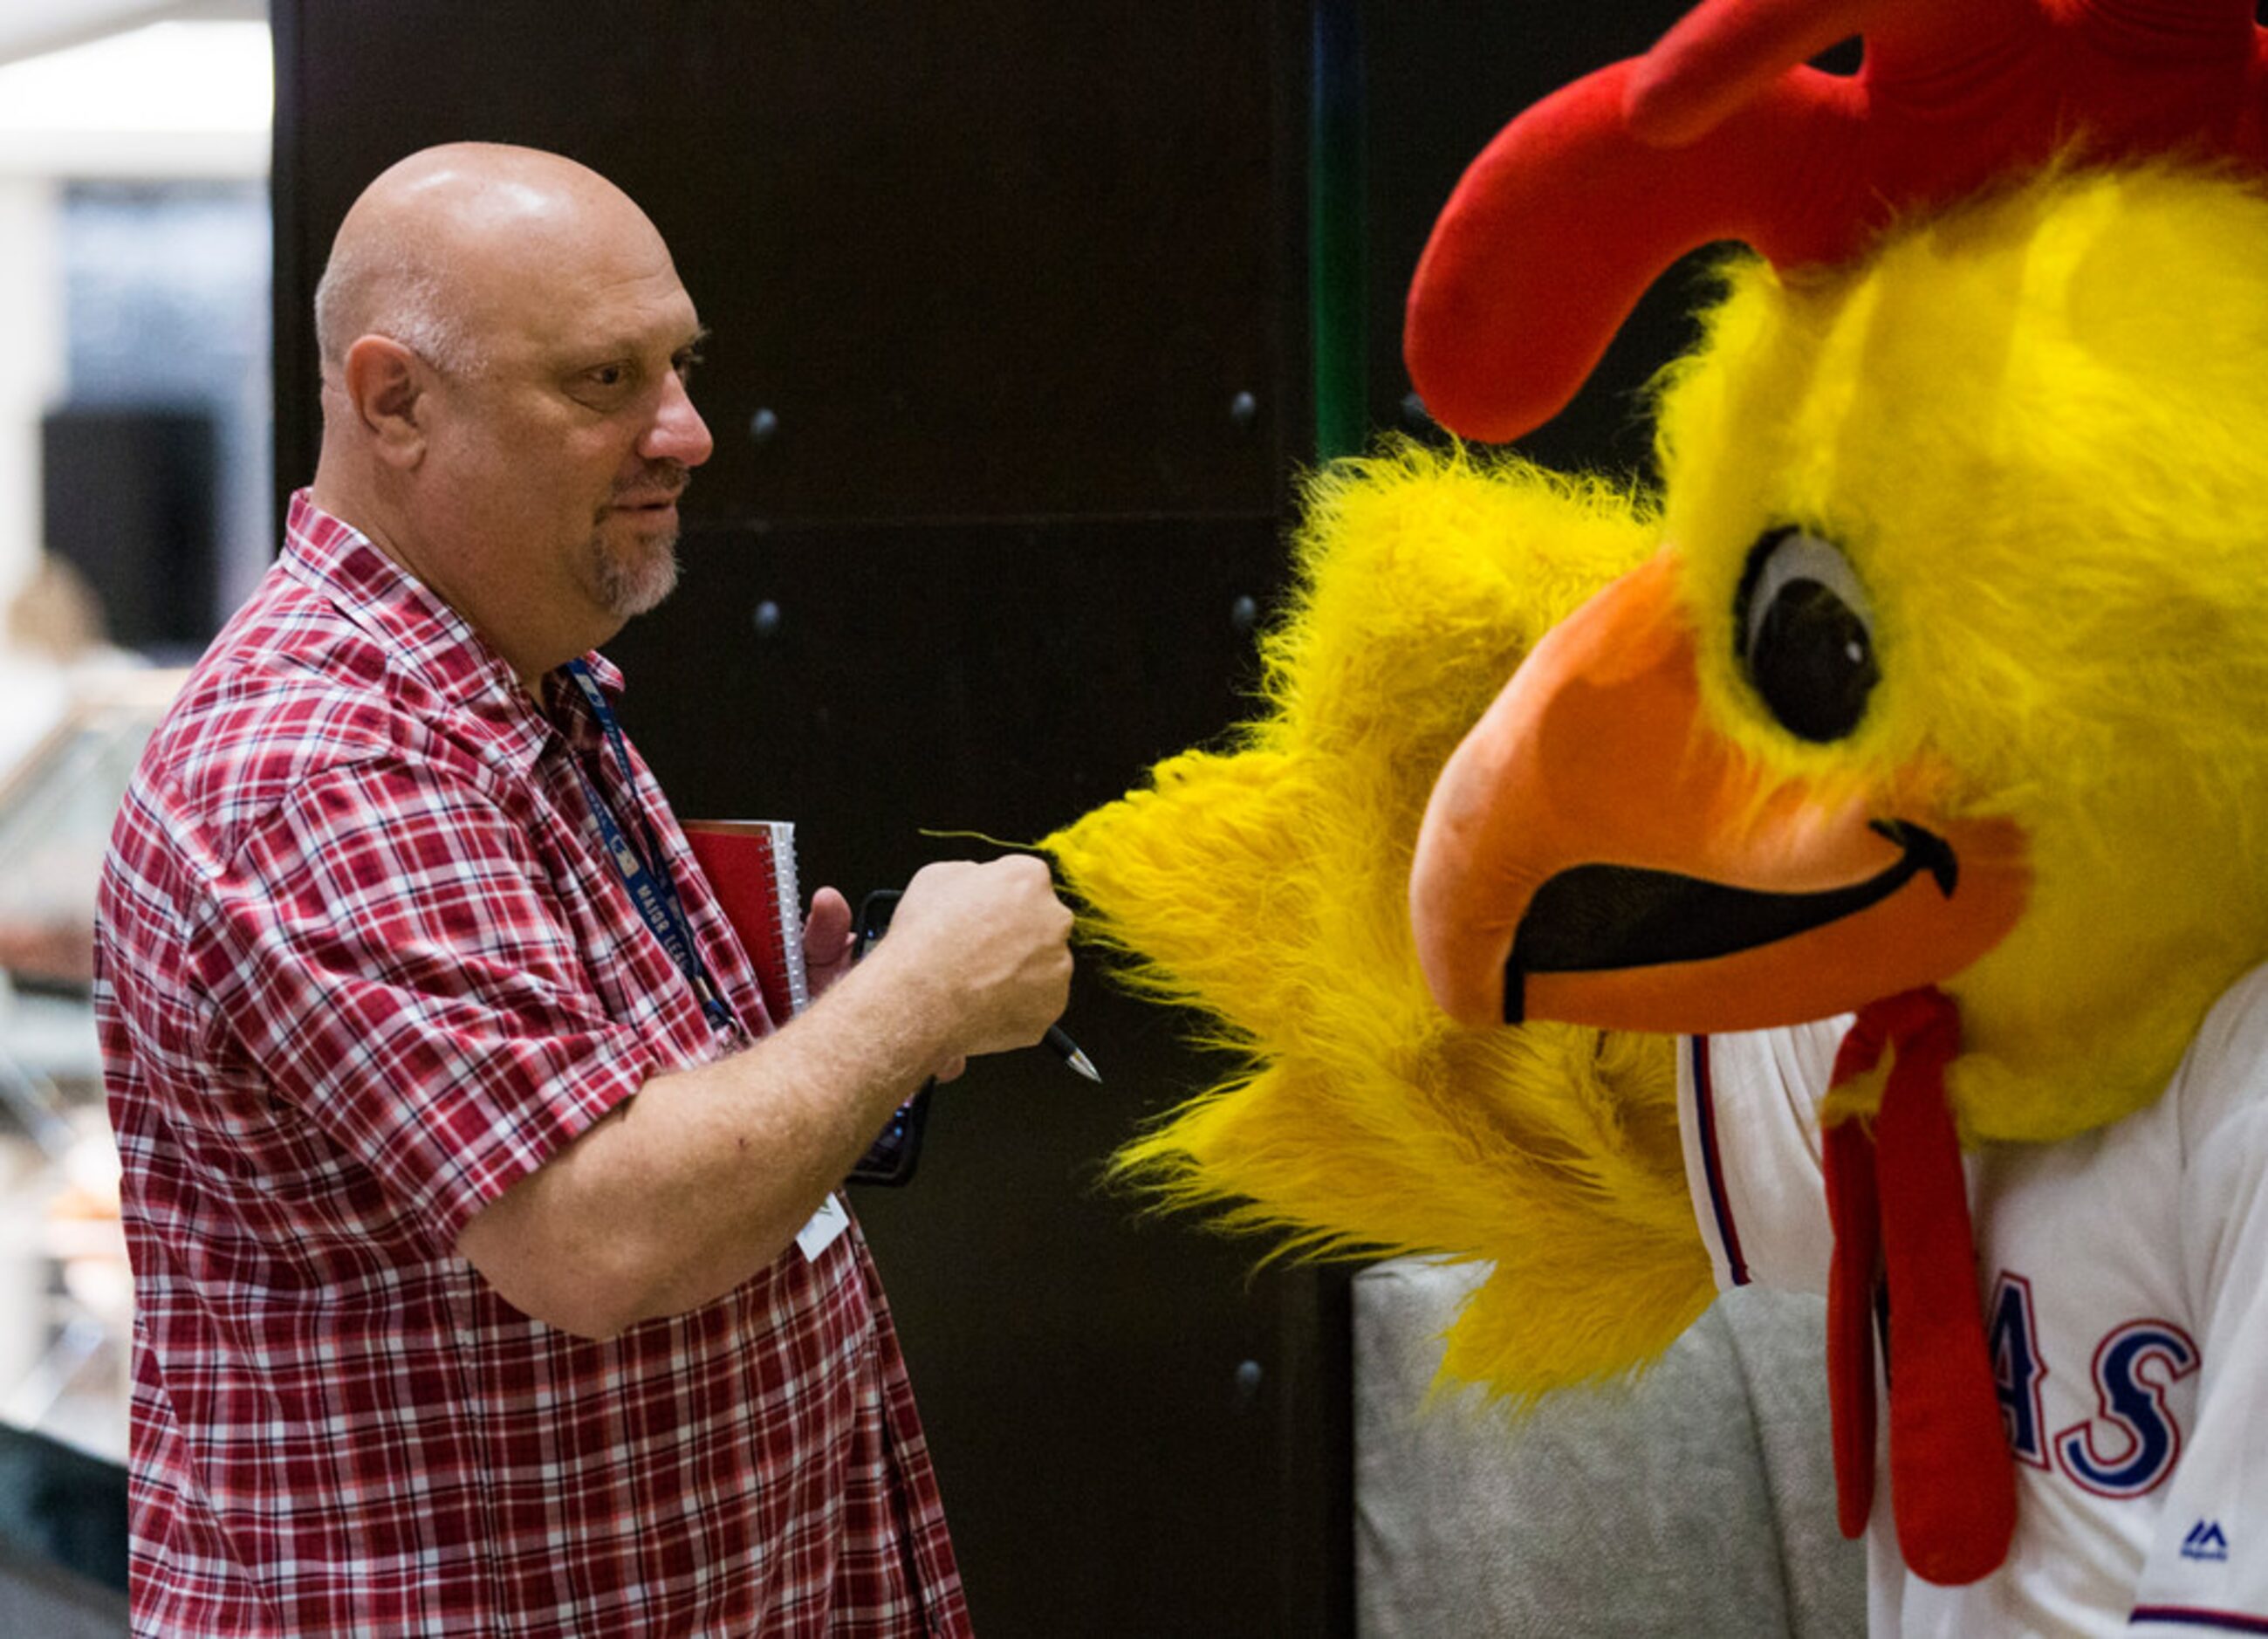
1722 132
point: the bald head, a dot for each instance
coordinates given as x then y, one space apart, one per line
452 242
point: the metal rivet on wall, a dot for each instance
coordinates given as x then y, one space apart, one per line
1248 1383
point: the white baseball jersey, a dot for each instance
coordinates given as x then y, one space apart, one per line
2125 1280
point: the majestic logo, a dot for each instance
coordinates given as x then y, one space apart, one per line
2205 1542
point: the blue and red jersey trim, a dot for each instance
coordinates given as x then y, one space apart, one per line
2185 1616
1713 1164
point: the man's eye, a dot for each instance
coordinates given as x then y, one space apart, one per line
609 376
685 363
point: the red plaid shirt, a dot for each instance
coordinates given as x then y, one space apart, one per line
362 966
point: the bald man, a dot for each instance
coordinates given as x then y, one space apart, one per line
487 1273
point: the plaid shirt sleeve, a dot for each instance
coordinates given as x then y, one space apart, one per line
383 947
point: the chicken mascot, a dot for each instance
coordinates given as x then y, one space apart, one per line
1845 869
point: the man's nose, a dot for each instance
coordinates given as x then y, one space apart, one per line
677 433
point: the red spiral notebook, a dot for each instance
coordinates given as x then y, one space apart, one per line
751 866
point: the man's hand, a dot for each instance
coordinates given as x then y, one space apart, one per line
994 939
829 944
683 1191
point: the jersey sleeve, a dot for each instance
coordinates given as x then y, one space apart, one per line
2207 1571
1746 1106
385 950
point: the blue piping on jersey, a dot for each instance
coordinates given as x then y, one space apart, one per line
1713 1167
2181 1616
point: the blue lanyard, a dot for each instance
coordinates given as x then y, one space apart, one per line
650 888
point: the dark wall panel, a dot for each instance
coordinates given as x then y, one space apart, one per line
1111 1464
995 259
998 677
1021 287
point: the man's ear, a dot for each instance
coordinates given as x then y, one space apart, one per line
386 383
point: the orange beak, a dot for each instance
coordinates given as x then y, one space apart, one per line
1593 853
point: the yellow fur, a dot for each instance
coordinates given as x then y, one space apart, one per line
1265 886
2034 425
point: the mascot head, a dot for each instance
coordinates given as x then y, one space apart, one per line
1951 667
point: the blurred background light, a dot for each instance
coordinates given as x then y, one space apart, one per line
179 76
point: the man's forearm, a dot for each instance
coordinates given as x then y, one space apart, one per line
704 1178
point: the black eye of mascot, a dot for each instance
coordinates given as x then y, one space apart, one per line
1805 635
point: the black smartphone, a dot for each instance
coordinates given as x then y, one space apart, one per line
890 1159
